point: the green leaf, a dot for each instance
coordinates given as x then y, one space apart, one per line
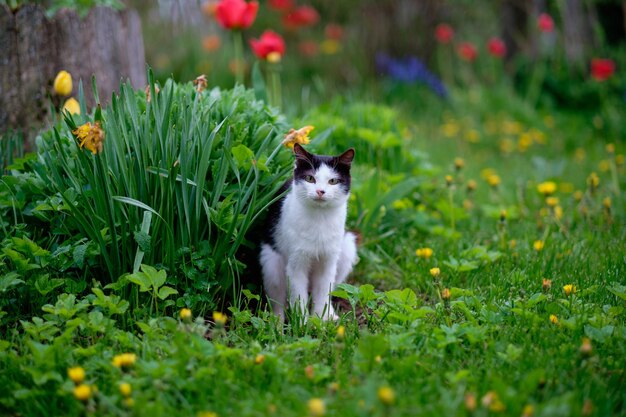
165 292
143 240
243 156
9 280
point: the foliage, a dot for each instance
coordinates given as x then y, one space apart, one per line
81 6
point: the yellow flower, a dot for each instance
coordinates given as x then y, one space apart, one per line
76 374
90 136
528 411
435 272
585 347
604 165
329 46
274 57
459 163
578 195
471 185
503 214
619 159
554 319
546 284
124 360
494 180
552 201
71 106
512 243
538 245
259 359
63 84
450 129
606 202
341 332
129 402
569 289
470 401
206 414
593 180
219 318
125 389
185 314
445 294
316 407
558 212
491 401
546 188
580 154
82 392
424 253
386 395
300 136
449 180
610 148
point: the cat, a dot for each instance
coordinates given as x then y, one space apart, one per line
307 249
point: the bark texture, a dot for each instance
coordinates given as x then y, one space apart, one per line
107 43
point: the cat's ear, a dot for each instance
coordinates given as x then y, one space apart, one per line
346 157
301 153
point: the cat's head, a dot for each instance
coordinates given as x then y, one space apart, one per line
322 181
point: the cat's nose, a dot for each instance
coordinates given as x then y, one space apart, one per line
320 192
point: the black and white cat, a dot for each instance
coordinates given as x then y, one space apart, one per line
308 250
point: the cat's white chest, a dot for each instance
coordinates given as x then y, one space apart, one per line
310 231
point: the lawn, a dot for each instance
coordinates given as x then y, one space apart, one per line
491 280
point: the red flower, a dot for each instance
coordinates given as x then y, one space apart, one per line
281 5
467 51
303 16
268 42
545 23
236 14
308 48
333 31
444 33
602 69
496 47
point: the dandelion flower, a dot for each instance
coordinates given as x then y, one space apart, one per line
445 294
341 332
386 395
316 407
424 253
538 245
449 180
471 185
124 360
585 347
125 389
459 163
554 319
593 180
435 272
578 195
90 136
610 148
546 285
185 314
63 84
546 188
569 289
606 202
219 318
470 402
259 359
206 414
82 392
76 374
552 201
494 180
300 136
528 411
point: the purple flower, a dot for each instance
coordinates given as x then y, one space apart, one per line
410 70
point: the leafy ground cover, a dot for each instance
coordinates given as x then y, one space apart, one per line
491 279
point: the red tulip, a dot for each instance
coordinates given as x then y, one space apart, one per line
303 16
333 31
268 43
496 47
236 14
444 33
545 22
602 69
467 51
281 5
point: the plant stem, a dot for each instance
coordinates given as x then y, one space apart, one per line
238 53
275 97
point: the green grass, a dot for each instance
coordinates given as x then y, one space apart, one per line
492 342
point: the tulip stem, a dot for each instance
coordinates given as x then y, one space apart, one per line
238 53
275 97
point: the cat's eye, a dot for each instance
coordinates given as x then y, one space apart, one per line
309 178
334 181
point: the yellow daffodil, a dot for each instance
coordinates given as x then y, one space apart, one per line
435 272
569 289
125 389
300 136
90 136
424 253
554 319
72 106
82 392
63 84
76 374
538 245
124 360
386 395
219 318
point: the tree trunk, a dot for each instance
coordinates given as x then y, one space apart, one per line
107 43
